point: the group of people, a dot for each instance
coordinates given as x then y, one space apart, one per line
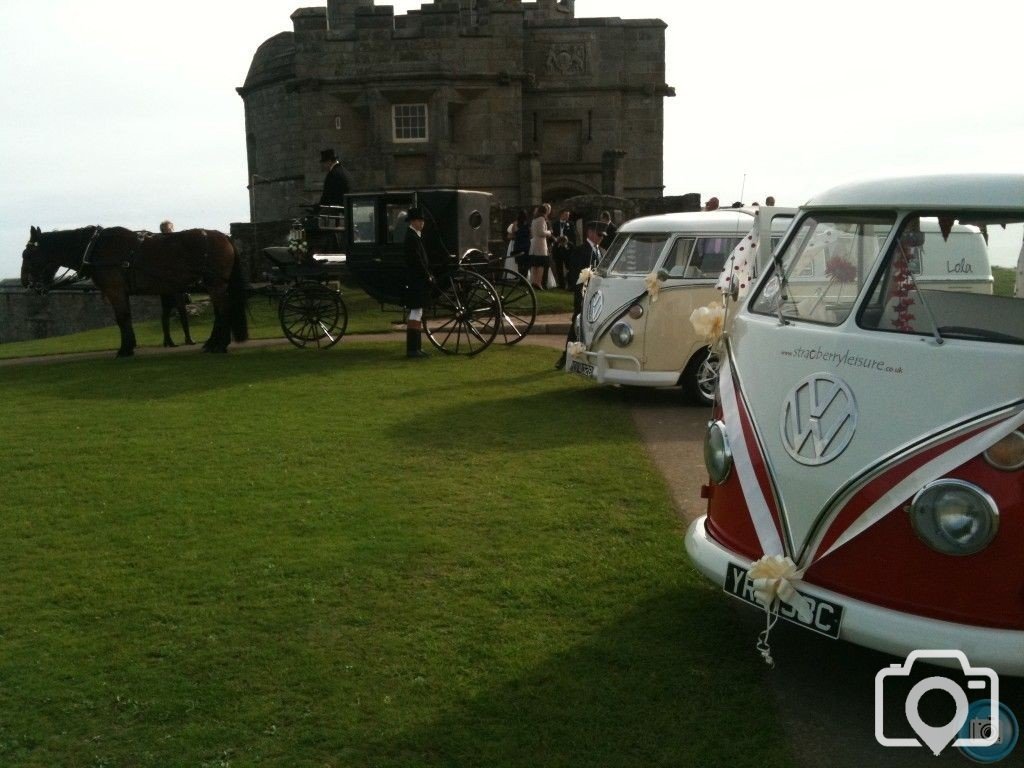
542 247
713 203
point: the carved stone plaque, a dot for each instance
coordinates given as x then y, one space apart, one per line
567 59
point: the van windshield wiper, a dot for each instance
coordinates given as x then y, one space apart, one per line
982 334
920 294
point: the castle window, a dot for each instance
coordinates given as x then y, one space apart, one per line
409 122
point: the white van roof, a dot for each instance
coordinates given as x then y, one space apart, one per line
725 221
959 191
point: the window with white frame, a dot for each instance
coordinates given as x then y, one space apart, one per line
409 122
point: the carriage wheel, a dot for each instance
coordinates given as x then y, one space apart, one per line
465 316
518 305
313 316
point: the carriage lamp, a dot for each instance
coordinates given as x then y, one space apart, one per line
636 311
1008 453
622 334
717 454
954 517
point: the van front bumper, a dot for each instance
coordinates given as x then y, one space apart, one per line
872 626
633 376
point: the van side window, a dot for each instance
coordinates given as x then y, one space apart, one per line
709 255
678 257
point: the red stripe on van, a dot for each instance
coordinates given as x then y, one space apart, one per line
889 566
872 491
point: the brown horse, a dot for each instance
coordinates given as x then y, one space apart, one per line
121 264
168 303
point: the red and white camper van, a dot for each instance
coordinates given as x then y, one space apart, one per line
868 430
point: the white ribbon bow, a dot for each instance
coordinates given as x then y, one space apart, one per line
653 285
773 577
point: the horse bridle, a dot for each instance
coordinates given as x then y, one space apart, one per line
71 274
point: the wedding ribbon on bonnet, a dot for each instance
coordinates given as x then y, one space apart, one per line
773 577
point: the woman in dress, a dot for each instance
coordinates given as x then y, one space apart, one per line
518 234
540 234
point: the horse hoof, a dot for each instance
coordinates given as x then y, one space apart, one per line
125 353
169 344
189 343
215 350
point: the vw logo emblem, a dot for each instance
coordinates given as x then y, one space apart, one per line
818 419
594 307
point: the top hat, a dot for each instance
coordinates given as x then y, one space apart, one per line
327 156
414 214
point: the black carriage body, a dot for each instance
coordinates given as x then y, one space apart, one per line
457 221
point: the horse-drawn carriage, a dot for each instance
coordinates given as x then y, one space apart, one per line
474 299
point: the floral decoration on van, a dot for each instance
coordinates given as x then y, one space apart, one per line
653 285
709 321
585 274
575 348
840 270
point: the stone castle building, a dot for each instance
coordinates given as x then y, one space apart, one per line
520 99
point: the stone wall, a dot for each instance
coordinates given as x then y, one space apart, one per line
25 315
523 100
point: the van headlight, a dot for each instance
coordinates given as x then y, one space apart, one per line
954 517
1008 453
622 334
717 454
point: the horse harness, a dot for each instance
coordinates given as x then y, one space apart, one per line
89 247
128 265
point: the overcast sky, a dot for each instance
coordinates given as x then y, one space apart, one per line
124 111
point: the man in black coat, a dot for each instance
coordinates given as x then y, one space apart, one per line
417 284
564 232
583 256
335 184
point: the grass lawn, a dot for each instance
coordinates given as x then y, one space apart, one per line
1004 277
286 558
364 316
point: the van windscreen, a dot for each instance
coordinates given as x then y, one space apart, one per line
825 263
939 279
636 254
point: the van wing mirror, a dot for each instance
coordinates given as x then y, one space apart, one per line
663 274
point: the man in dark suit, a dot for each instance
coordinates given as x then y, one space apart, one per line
564 233
335 183
417 284
586 255
609 230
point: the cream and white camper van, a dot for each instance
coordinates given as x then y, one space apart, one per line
637 336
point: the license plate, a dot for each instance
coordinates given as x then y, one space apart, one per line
581 368
826 617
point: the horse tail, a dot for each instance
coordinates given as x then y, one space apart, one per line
237 311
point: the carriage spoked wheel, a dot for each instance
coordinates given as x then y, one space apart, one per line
313 316
518 305
465 316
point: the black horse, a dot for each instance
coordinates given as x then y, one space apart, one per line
121 263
